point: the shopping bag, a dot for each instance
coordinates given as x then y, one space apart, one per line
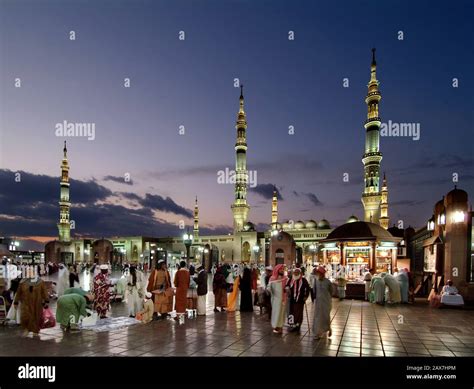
90 321
11 315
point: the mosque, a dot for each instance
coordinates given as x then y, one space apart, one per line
286 242
356 244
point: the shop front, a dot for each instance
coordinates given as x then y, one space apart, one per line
352 249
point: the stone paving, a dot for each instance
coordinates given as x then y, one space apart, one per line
359 329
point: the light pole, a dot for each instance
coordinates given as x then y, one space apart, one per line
187 240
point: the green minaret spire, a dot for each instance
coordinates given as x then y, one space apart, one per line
64 226
240 208
371 197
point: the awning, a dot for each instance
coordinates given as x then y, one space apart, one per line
431 241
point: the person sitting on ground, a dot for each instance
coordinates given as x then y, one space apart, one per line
450 295
146 314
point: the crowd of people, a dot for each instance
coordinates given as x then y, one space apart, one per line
278 292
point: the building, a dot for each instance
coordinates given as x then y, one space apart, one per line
443 250
245 243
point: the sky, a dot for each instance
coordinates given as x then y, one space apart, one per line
192 83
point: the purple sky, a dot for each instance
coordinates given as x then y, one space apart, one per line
190 83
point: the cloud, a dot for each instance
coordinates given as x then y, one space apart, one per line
266 191
30 208
163 204
407 203
351 204
120 180
299 163
314 199
130 196
443 161
311 196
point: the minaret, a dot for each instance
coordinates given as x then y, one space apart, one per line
64 227
371 196
240 208
384 204
274 209
196 220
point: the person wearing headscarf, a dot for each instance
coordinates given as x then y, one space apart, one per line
255 274
102 291
201 281
402 279
265 298
233 302
134 294
181 283
450 295
159 284
73 277
219 287
245 286
377 285
146 314
393 288
322 304
367 280
63 280
276 287
299 292
341 283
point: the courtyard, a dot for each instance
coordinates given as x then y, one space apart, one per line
359 329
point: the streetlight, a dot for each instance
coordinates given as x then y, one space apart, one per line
187 240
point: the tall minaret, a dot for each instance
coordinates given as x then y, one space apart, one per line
240 208
64 227
384 220
196 220
371 197
274 209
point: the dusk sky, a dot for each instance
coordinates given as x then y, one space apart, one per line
191 83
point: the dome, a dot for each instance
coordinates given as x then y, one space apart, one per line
324 224
299 225
311 224
456 196
275 226
249 226
286 225
102 243
360 230
352 219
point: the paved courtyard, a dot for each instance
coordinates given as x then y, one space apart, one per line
359 329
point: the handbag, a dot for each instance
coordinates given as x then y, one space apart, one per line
47 319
